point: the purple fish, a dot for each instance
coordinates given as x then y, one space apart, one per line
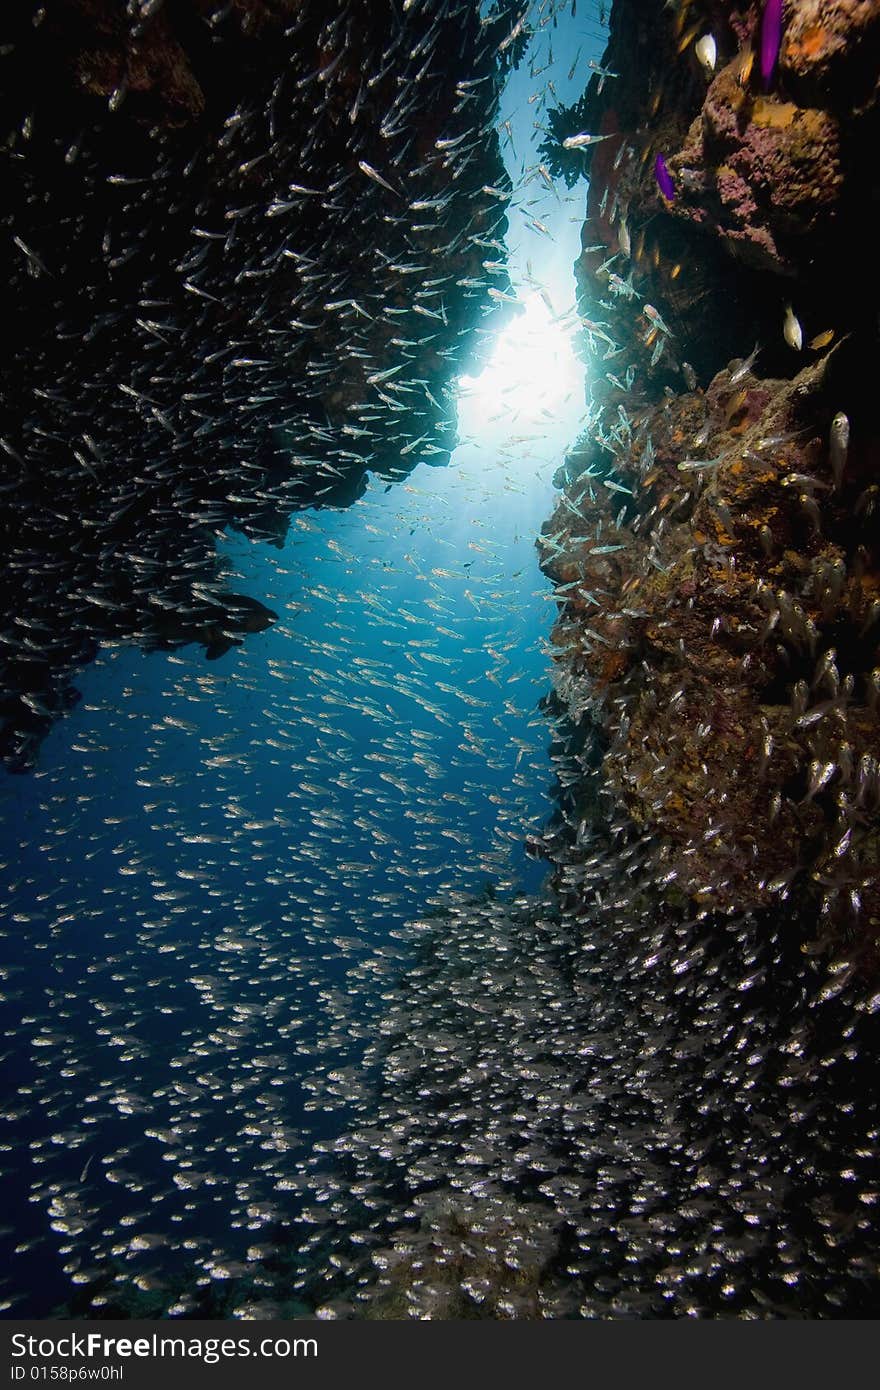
665 181
771 39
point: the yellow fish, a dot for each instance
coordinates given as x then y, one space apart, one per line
822 340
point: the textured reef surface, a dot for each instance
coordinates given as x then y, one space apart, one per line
718 630
227 231
774 183
714 549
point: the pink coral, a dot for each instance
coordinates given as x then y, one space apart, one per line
774 169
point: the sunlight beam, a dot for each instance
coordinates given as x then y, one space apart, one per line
532 373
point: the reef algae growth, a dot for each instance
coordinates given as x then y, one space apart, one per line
720 631
773 188
714 550
715 562
326 992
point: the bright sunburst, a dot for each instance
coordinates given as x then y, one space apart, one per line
532 370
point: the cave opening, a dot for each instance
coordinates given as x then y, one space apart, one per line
440 680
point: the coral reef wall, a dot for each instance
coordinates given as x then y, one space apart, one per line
242 258
775 182
715 548
651 1092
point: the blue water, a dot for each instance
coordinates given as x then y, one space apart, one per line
208 850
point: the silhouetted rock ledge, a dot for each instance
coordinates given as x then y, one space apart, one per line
241 262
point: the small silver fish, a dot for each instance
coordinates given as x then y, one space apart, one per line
792 331
693 465
838 445
706 51
374 174
582 141
744 367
